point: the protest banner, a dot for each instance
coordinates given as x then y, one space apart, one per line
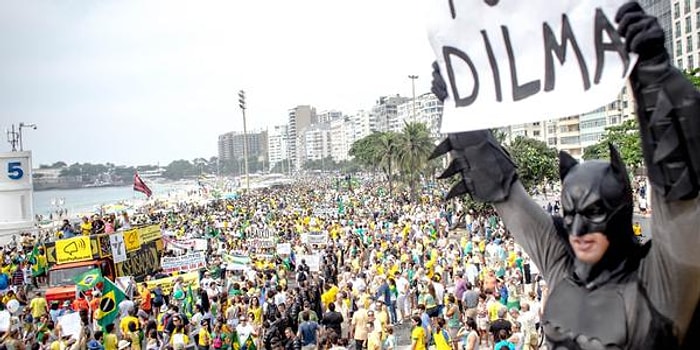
317 238
261 233
73 250
187 262
262 242
513 62
150 233
235 262
284 249
325 211
166 284
116 242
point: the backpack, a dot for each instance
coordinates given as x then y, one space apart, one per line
217 342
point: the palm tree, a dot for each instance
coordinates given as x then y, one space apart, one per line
415 145
386 147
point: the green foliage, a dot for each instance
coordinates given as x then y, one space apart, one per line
693 76
414 146
180 169
626 138
406 153
537 163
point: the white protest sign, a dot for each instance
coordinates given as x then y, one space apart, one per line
511 62
317 238
116 242
261 233
312 261
187 262
70 325
284 248
5 320
200 244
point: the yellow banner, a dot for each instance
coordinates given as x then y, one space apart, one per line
73 250
132 240
150 233
166 284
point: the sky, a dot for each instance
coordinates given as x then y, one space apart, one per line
146 82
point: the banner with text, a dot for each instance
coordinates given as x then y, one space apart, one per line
513 62
187 262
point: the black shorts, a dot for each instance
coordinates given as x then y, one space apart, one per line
433 311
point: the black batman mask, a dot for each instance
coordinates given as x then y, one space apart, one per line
596 196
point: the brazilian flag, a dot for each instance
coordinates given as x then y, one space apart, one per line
38 261
234 340
188 304
249 343
88 279
109 303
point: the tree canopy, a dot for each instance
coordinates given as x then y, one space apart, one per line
536 162
626 138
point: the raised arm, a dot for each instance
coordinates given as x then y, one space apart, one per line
536 232
488 174
668 110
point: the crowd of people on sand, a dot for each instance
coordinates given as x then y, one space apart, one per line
395 270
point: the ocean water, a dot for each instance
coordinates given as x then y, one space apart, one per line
85 200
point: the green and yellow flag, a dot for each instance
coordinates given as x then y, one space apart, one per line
88 279
109 303
38 261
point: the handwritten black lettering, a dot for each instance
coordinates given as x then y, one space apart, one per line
552 47
602 24
519 91
494 66
448 52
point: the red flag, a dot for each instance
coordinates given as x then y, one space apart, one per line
140 186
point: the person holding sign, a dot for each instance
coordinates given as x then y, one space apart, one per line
606 290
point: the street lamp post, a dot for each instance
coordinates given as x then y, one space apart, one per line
241 103
21 126
413 89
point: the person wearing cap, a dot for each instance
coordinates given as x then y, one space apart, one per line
96 342
123 344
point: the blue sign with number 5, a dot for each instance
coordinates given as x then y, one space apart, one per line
14 170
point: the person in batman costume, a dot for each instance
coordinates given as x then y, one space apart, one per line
606 290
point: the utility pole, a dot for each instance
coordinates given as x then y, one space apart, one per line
413 88
241 103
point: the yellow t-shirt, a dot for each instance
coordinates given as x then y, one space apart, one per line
38 306
204 337
329 296
110 342
418 336
124 323
493 310
86 228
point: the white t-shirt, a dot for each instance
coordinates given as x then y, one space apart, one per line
244 332
401 285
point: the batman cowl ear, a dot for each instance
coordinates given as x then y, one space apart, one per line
566 163
616 162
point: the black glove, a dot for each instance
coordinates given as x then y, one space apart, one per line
642 32
487 170
439 87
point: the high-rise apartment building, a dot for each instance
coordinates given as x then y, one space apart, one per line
327 116
428 110
342 136
685 34
231 146
385 111
315 142
277 145
300 118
